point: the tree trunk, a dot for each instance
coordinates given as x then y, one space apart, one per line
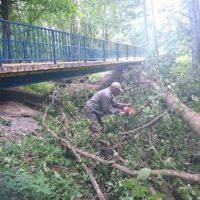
191 118
195 29
154 31
4 9
145 23
146 35
108 80
6 53
105 18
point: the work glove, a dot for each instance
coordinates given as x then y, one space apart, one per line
129 109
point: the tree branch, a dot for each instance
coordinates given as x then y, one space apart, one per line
155 172
68 145
145 125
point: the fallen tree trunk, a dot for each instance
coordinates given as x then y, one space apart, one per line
191 118
108 80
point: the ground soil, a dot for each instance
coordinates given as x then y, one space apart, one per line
18 112
19 109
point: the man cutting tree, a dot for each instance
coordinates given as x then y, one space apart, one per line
102 103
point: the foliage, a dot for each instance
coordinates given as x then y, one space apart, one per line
95 77
139 189
182 66
107 19
40 11
39 169
43 88
45 171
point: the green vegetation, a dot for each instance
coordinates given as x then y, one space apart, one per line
93 78
43 88
39 168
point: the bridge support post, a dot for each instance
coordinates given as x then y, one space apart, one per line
0 59
53 47
84 49
104 53
134 52
117 51
126 52
25 51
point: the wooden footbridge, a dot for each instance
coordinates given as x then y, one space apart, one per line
31 54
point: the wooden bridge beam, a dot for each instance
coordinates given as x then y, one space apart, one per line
34 73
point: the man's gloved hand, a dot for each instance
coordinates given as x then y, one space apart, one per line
126 109
129 109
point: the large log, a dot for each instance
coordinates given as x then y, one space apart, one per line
191 118
108 80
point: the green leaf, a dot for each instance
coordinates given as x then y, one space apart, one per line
139 191
79 195
45 167
126 198
156 196
129 183
57 175
144 174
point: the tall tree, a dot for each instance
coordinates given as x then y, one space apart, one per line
154 30
146 35
4 9
195 30
145 23
6 35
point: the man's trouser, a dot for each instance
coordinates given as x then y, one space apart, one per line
96 123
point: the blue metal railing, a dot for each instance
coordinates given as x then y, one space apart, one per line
26 43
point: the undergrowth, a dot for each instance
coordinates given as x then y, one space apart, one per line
41 169
43 88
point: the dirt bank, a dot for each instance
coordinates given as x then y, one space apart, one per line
18 110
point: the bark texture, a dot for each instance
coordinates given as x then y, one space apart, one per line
155 172
4 9
195 28
191 118
115 76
